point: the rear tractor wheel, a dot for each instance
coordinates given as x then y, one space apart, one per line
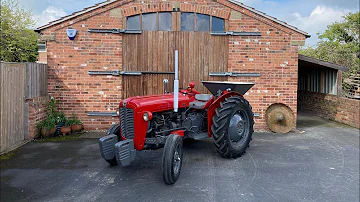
233 127
114 129
172 158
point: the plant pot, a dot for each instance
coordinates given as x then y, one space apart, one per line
48 133
65 129
76 127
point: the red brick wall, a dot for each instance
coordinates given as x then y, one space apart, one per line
271 55
37 113
330 107
42 57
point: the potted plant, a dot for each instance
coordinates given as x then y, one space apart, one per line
76 124
48 127
60 121
39 127
66 128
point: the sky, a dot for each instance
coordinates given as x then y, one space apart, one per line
311 16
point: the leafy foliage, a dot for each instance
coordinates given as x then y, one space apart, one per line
74 120
18 42
339 44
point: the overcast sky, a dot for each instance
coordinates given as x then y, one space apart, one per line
311 16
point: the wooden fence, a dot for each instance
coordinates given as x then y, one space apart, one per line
18 82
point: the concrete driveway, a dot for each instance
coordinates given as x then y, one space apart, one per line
321 164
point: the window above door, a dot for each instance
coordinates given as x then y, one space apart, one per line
175 21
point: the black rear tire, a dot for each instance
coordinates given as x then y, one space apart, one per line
114 129
172 158
232 127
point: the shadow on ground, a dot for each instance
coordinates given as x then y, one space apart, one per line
321 164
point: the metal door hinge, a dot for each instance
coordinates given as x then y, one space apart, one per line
114 73
115 31
221 33
234 74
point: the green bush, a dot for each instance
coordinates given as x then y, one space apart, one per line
74 120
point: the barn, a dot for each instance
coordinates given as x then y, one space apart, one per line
121 48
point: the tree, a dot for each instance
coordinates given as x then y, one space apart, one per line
18 41
339 44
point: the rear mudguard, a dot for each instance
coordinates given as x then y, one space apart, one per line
216 104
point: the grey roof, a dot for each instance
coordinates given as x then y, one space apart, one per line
322 63
98 5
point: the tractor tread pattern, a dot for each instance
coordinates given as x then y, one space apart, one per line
221 120
167 159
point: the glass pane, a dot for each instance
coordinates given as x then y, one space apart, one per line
149 21
165 22
133 22
202 22
187 21
42 47
218 24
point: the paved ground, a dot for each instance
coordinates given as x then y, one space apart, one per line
321 164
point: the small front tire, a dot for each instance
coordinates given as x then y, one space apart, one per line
172 158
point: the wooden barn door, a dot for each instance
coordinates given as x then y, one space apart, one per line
148 53
152 53
199 54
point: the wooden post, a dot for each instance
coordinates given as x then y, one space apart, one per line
322 83
339 83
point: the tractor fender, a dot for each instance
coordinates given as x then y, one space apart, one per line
211 110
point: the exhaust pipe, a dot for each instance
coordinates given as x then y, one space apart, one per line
176 82
165 81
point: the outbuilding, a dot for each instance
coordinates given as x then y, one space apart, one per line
121 48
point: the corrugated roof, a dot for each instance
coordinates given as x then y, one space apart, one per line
98 5
322 63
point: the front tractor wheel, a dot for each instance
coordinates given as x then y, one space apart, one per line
233 127
114 129
172 158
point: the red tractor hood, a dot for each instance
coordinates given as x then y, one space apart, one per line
155 103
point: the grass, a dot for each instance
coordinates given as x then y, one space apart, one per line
8 155
60 138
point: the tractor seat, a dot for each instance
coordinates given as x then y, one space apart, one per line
201 101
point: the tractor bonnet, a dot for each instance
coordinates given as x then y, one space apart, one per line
215 86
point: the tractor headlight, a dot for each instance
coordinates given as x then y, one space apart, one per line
147 116
117 112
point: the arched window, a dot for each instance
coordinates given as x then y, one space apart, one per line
162 21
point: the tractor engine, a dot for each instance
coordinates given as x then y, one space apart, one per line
163 123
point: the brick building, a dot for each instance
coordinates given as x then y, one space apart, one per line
125 48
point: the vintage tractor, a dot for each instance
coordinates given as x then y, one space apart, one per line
163 121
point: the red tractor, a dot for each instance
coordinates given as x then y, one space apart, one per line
163 121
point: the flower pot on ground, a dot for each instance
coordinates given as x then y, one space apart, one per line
48 132
76 127
47 127
76 124
66 129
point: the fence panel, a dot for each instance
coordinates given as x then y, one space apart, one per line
18 82
12 104
36 84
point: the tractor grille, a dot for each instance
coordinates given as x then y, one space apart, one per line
127 122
